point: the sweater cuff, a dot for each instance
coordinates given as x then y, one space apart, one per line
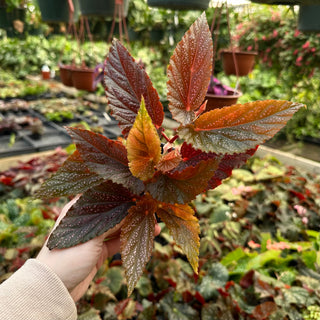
35 292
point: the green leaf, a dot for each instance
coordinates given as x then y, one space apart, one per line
72 178
263 258
297 295
106 158
217 278
189 71
233 257
144 286
91 314
177 311
125 83
238 128
98 210
114 279
137 236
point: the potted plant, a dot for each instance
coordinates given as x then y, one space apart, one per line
219 95
125 183
86 78
238 62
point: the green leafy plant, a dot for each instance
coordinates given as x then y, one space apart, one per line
130 181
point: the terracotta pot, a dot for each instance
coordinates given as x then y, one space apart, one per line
45 75
86 78
245 62
66 75
216 101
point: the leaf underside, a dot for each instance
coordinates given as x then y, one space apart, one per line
125 83
238 128
105 157
72 178
184 228
99 209
182 187
136 238
143 146
189 71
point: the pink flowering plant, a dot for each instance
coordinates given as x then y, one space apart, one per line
280 44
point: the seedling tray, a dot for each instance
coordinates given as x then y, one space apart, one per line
55 135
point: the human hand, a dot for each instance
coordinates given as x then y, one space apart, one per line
76 266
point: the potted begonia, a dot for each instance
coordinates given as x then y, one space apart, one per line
125 184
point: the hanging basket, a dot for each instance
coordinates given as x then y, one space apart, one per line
8 16
58 10
217 101
180 4
245 61
101 8
309 18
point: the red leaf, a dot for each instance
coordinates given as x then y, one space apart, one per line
137 236
264 310
98 210
72 178
189 71
239 127
169 161
247 280
105 157
182 186
184 228
227 162
125 83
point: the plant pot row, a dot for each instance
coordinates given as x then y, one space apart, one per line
82 78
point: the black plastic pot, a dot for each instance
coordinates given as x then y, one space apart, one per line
7 16
309 18
58 10
180 4
101 8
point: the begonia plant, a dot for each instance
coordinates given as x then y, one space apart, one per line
130 181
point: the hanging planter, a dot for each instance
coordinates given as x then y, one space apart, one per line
7 16
58 10
87 79
308 19
101 8
242 60
219 95
180 4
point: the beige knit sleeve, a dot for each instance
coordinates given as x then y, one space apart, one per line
35 292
